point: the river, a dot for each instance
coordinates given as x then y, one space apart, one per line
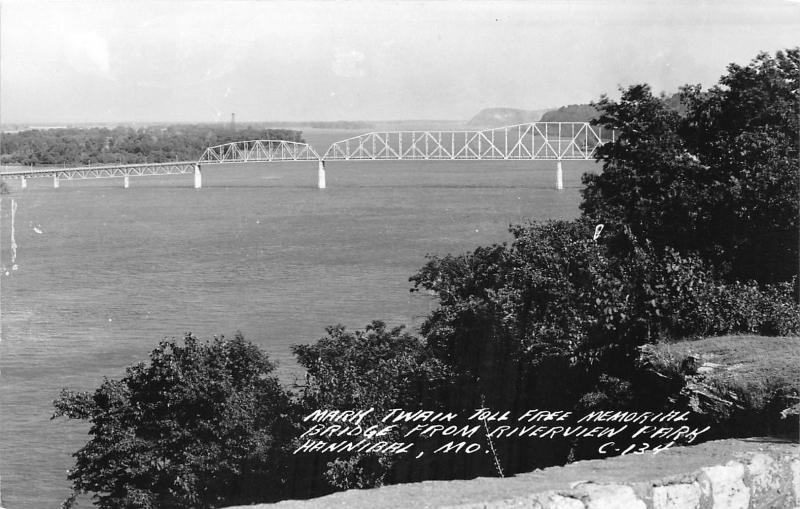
103 273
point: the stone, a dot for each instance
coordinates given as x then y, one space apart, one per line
795 466
609 496
725 484
556 501
764 474
676 496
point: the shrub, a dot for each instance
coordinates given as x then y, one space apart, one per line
203 424
539 321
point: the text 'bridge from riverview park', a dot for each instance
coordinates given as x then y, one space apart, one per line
555 141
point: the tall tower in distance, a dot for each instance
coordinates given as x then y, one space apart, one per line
233 121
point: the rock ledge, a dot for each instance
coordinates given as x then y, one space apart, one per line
727 474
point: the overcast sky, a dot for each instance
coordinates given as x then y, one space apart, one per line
200 61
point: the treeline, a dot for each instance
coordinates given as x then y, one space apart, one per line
590 112
670 245
126 145
571 113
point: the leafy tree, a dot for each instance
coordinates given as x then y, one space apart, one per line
203 424
376 367
380 368
720 180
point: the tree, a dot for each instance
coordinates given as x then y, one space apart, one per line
203 424
380 368
720 180
559 314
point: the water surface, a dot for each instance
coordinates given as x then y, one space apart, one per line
258 249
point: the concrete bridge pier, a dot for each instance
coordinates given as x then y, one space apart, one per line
55 181
559 176
22 182
321 175
126 181
198 177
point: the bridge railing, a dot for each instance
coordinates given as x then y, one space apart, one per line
536 140
259 151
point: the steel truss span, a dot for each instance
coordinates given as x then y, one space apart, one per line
259 151
532 141
105 171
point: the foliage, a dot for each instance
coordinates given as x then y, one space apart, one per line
202 424
154 144
720 180
557 301
378 368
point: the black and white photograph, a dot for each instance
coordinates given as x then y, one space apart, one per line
463 254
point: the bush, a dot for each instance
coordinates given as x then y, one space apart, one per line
203 424
557 301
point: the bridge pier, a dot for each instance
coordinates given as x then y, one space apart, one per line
55 181
559 176
321 175
198 177
126 182
22 182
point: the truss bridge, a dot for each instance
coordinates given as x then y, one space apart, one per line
533 141
58 173
259 151
556 141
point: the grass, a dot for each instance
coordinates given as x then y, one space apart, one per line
757 369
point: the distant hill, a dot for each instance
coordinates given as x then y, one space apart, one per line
587 112
495 117
571 113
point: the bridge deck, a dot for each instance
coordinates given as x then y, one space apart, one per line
103 171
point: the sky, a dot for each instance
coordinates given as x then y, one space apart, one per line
200 61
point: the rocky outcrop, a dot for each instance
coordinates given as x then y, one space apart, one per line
725 474
736 397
